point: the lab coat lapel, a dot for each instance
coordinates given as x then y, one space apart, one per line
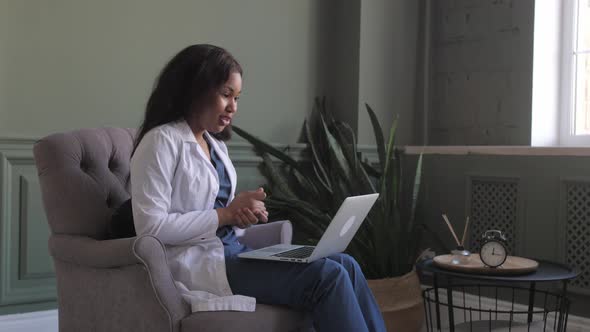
188 136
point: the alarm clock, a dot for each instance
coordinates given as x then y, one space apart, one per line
493 252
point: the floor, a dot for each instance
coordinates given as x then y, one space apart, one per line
46 321
40 321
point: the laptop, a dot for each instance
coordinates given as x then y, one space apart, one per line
335 239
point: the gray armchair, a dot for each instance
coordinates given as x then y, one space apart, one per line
124 284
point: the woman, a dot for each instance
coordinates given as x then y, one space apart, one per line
183 186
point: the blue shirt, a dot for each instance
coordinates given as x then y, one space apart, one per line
224 182
225 233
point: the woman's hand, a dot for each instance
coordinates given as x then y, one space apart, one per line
246 209
246 217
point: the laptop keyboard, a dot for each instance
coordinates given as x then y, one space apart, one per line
302 252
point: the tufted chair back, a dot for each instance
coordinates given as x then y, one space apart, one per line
84 176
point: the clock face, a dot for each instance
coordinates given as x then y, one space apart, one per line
493 253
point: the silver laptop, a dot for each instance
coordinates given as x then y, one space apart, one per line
335 239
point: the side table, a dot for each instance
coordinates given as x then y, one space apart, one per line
546 272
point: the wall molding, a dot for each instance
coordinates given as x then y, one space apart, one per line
28 214
7 143
507 150
240 149
16 163
18 142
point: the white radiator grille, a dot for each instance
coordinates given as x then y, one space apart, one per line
493 206
578 232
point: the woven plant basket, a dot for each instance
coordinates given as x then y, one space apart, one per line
400 300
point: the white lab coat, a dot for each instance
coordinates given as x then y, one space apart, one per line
173 190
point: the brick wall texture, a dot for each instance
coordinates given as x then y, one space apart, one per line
482 61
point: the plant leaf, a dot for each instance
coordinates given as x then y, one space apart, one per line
345 136
378 136
370 169
322 181
389 157
317 163
278 181
265 147
308 187
336 152
309 193
415 191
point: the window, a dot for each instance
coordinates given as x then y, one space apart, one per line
575 100
581 62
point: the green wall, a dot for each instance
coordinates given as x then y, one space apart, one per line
388 64
70 64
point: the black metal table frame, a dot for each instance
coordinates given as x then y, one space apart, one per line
567 275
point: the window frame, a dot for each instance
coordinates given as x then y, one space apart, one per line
567 99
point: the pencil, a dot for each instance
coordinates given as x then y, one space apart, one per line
451 229
465 231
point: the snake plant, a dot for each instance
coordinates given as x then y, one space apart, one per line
309 192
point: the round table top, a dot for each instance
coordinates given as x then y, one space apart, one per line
547 271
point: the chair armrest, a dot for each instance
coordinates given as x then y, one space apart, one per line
85 251
263 235
152 253
143 250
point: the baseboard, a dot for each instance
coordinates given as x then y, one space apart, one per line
45 321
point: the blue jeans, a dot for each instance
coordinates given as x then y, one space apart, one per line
333 289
